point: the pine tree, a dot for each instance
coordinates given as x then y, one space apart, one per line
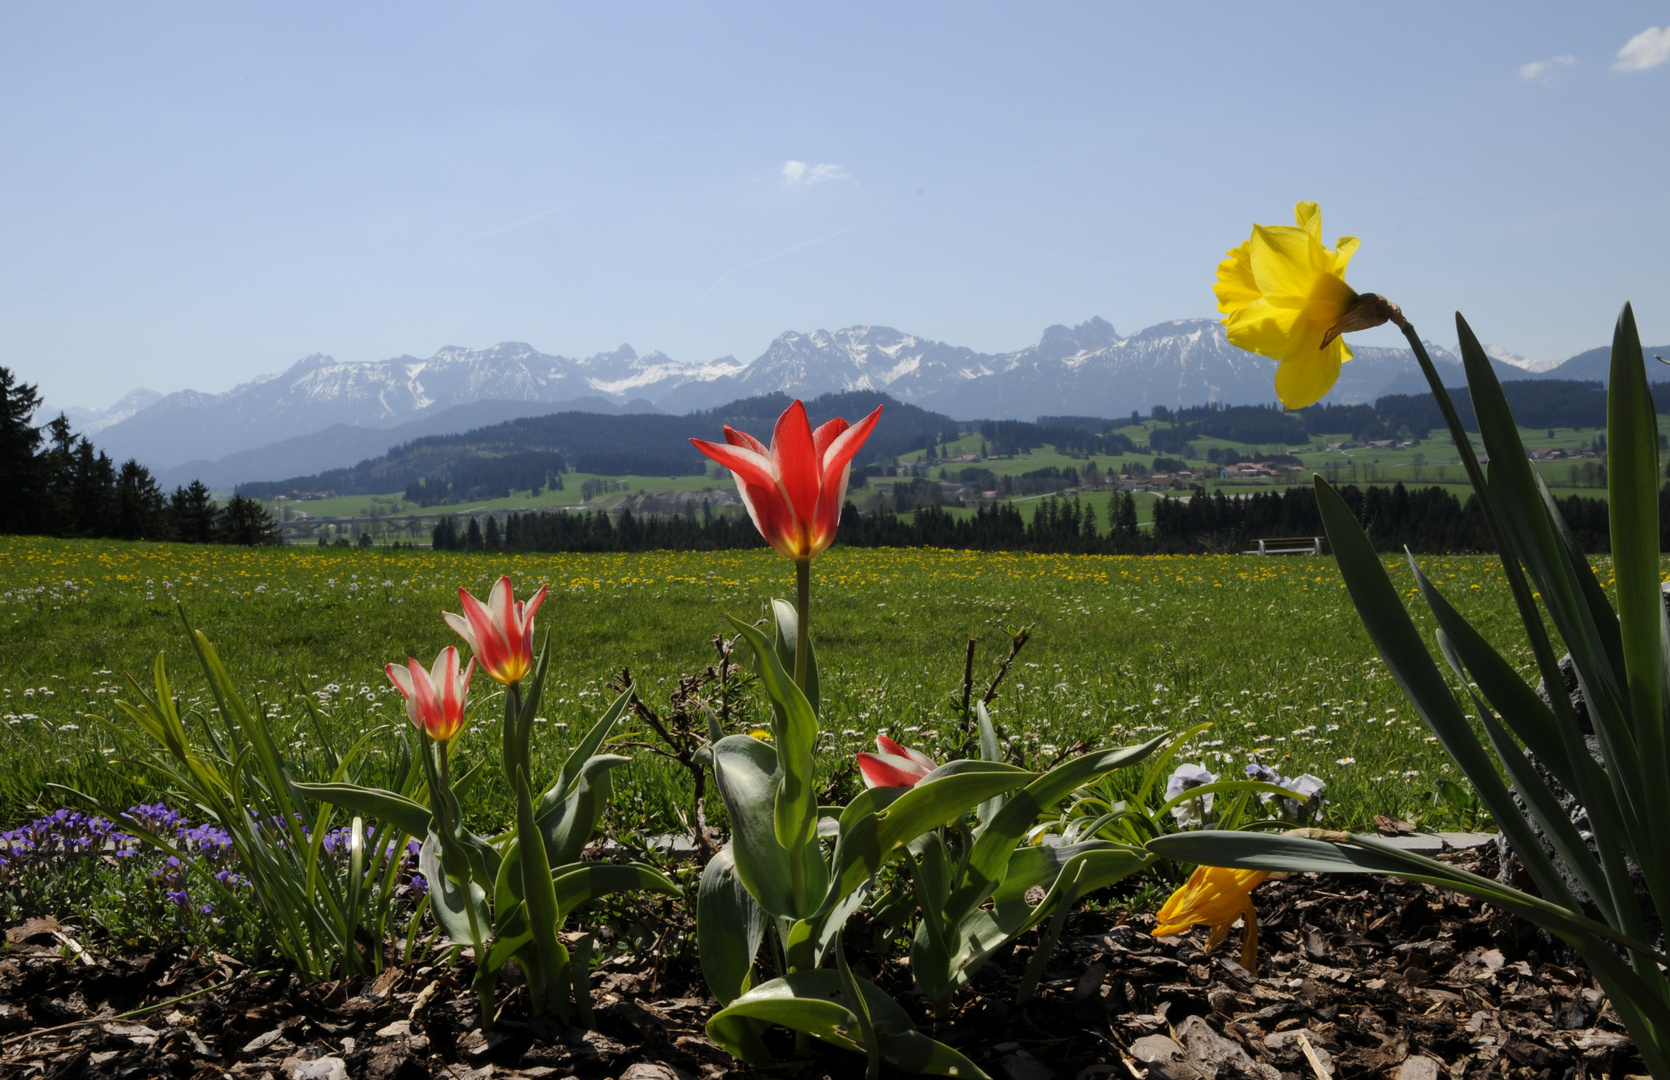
246 521
19 441
472 536
445 535
140 506
1123 511
92 492
194 512
492 539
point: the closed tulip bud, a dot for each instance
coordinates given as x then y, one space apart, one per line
894 765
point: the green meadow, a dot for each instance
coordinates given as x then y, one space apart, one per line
1268 651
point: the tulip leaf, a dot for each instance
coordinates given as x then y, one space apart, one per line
998 839
521 725
568 826
544 914
990 750
795 732
448 898
816 1002
575 885
786 622
507 946
869 840
980 933
1084 873
744 772
730 926
583 752
408 816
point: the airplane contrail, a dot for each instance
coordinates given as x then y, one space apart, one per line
778 255
512 225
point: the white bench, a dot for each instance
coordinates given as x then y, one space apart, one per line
1288 545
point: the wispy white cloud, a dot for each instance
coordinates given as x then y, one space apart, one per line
1549 72
802 174
1648 49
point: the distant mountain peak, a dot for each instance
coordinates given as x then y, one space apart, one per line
1086 369
1497 352
1090 336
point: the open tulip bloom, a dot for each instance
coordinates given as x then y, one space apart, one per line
794 490
894 765
795 487
500 632
434 698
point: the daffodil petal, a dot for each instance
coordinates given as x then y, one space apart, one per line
1286 263
1343 250
1302 381
1308 216
1236 287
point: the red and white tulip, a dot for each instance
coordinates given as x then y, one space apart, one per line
894 765
434 698
794 488
500 632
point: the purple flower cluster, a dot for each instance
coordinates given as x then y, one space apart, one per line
69 834
337 843
65 833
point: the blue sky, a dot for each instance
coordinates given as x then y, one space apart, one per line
192 195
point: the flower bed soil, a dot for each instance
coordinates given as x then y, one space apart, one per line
1361 978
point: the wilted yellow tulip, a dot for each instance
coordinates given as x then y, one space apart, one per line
1215 897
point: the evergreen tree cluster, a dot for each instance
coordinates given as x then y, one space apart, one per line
1423 520
60 485
595 531
1076 435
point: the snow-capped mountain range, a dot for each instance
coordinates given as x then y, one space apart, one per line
1084 370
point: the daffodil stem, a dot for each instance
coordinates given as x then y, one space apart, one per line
802 623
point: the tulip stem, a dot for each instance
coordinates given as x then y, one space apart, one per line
514 753
802 626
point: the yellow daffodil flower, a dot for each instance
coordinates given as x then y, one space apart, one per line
1215 897
1283 295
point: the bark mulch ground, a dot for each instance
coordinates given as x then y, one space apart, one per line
1359 978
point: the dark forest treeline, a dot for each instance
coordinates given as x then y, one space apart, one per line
594 531
531 452
1536 403
1424 520
57 484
